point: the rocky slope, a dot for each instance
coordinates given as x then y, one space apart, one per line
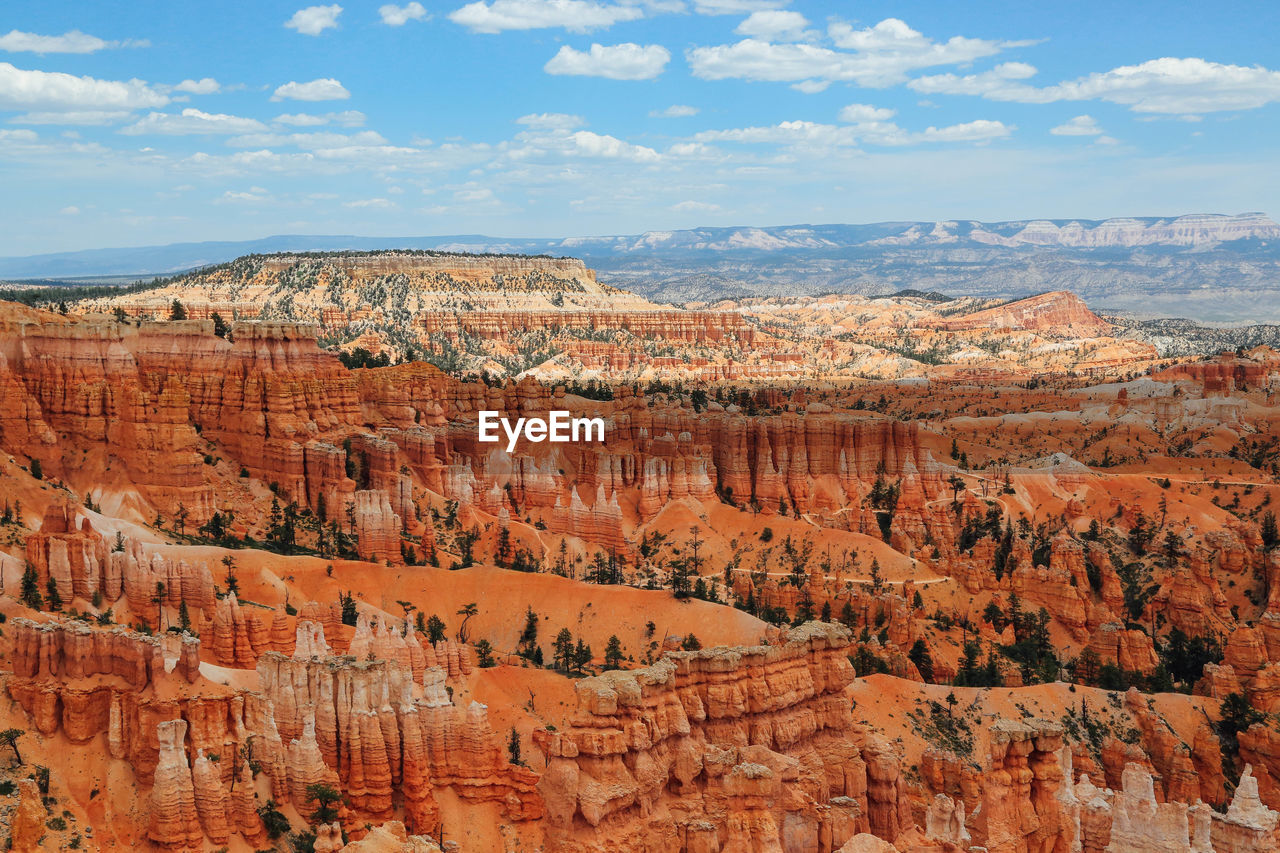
1033 608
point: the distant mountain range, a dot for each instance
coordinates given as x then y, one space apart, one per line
1207 267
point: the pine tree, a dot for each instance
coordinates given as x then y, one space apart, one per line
581 656
528 646
920 656
30 594
177 311
484 654
563 650
502 557
350 615
55 599
513 747
613 653
1270 533
233 583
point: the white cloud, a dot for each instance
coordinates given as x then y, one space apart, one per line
855 113
71 42
551 121
675 111
254 194
866 125
695 207
735 7
193 121
577 16
69 210
877 57
323 89
774 25
1001 83
203 86
602 145
76 117
313 20
1079 126
346 118
785 133
617 62
981 130
54 91
472 195
371 203
1164 86
398 16
309 141
553 134
18 136
811 87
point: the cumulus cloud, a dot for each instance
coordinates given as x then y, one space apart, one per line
855 113
74 117
877 56
866 125
1167 86
591 144
1002 83
193 121
203 86
55 91
371 203
313 20
551 121
398 16
577 16
735 7
675 111
981 130
323 89
254 194
16 41
774 25
811 87
695 207
554 134
309 141
1084 125
346 118
617 62
473 195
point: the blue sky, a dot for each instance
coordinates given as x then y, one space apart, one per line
133 123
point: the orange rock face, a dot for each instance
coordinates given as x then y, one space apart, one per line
1018 516
27 824
173 823
738 722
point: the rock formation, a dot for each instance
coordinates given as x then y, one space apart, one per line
174 824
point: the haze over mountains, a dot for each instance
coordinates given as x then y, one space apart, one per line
1211 268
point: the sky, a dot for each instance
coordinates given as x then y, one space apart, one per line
127 122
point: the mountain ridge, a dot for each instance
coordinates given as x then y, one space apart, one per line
1196 230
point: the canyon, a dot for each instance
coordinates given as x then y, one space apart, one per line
846 573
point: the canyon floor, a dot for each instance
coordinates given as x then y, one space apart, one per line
848 574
